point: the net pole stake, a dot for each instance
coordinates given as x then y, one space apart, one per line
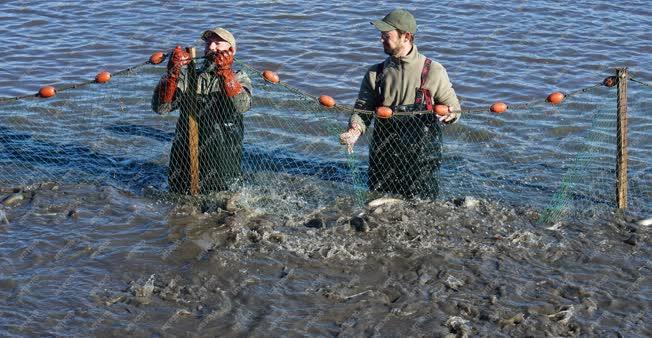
621 160
193 127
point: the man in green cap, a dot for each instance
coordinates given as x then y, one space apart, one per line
216 97
405 149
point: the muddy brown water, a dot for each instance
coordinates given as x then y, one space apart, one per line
417 268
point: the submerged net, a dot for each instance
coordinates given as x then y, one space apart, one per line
552 158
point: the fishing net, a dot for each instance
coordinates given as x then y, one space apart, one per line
285 151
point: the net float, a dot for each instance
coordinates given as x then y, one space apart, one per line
442 109
103 77
555 97
47 91
270 76
498 107
327 101
610 81
156 58
384 112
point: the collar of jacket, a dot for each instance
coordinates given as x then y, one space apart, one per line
411 57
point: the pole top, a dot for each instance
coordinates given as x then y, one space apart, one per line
192 51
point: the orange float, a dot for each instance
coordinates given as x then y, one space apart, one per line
270 76
156 58
384 112
610 81
499 107
327 101
555 98
442 109
103 77
47 91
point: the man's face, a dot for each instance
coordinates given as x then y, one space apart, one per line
392 42
215 44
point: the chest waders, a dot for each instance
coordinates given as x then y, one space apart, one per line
220 143
405 151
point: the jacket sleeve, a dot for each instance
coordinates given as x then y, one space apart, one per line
156 97
242 101
366 100
441 88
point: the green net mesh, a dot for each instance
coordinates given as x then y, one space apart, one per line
284 151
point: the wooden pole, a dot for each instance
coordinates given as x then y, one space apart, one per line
621 164
193 128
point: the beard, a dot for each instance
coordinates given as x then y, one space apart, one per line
210 55
392 51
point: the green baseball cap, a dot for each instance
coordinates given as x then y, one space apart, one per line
397 19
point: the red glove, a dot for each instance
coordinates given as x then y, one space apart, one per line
168 84
224 59
223 62
178 59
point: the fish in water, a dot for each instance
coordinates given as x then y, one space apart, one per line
645 222
382 201
3 217
13 199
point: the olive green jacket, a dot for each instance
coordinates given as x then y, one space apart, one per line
399 85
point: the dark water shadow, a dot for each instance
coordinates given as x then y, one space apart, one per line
139 130
70 162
